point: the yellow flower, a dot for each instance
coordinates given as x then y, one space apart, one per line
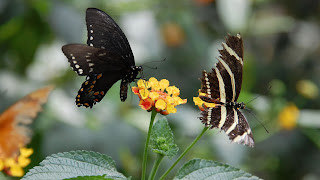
13 166
158 95
1 165
307 88
26 152
161 104
288 117
16 171
202 104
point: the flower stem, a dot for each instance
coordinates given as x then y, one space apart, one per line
145 152
155 167
184 153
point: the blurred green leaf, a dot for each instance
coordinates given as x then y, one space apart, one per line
313 135
90 178
162 139
205 169
73 164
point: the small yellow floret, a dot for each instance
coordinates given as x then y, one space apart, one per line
160 104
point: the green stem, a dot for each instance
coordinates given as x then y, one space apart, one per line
145 152
184 153
155 167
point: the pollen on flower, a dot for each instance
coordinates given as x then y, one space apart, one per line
158 95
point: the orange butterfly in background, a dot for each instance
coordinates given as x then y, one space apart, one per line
15 133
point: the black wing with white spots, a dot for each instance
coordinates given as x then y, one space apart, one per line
87 60
106 59
103 32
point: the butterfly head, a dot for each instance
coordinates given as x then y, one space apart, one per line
135 70
240 105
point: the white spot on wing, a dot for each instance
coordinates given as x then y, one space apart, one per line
80 71
207 84
77 66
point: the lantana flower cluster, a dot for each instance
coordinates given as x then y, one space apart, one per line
200 103
158 95
13 166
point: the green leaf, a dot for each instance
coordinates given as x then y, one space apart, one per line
162 139
205 169
73 164
90 178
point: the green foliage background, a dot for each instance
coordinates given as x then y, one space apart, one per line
282 47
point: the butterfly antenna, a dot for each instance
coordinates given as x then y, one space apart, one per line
156 61
249 110
154 68
264 93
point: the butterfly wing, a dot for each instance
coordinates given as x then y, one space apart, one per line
230 120
109 54
87 60
103 32
95 87
223 85
224 82
14 131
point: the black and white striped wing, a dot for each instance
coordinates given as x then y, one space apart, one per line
231 121
103 32
224 82
223 85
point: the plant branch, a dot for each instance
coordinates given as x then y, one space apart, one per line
145 153
184 153
155 167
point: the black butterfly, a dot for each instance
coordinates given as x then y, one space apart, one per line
222 86
107 59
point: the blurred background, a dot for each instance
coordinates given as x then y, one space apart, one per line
281 69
